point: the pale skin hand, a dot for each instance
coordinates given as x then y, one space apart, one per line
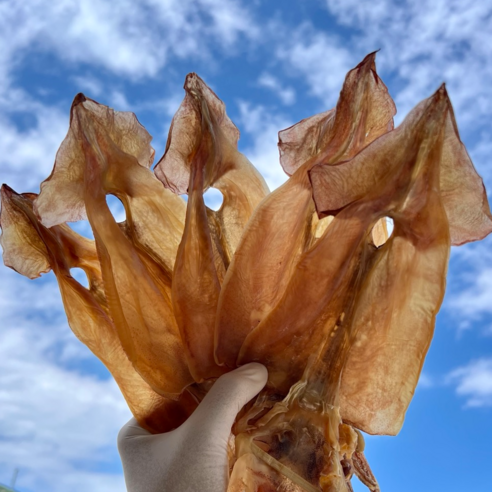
194 456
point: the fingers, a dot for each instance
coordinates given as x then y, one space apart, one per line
228 395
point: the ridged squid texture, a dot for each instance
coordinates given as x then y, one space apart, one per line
304 279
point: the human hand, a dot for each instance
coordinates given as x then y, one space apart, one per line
192 457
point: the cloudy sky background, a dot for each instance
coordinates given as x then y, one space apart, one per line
273 63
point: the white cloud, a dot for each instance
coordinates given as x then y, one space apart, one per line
480 154
91 86
263 127
426 44
57 425
469 287
425 381
27 156
118 100
132 38
476 299
286 94
318 58
474 382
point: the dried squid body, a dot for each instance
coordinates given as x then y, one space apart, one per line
32 249
202 152
282 226
303 280
307 422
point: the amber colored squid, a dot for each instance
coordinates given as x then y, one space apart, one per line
305 280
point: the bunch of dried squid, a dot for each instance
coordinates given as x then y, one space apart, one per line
304 279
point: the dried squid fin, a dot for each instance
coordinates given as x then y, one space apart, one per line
229 171
62 194
280 229
462 190
463 194
95 329
155 216
23 250
298 143
64 249
139 305
365 112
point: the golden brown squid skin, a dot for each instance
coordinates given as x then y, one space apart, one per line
196 284
142 311
154 215
201 152
27 240
281 227
396 312
411 195
341 315
241 185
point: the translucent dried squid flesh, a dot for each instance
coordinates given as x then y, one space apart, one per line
281 228
32 249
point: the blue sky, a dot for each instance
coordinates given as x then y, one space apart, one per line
273 63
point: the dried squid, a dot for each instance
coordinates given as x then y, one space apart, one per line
305 280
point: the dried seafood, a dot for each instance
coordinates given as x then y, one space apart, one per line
304 279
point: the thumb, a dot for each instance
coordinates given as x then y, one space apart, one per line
218 410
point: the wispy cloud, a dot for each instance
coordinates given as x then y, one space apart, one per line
286 94
134 39
319 59
474 382
263 126
425 44
91 86
469 289
58 424
28 155
425 381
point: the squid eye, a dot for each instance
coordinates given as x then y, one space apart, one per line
347 467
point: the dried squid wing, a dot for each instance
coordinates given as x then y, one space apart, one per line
284 340
394 325
364 112
281 228
139 306
155 215
241 185
462 191
298 143
63 249
93 327
23 250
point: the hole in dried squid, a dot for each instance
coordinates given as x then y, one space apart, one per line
116 208
79 275
213 198
382 231
390 225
